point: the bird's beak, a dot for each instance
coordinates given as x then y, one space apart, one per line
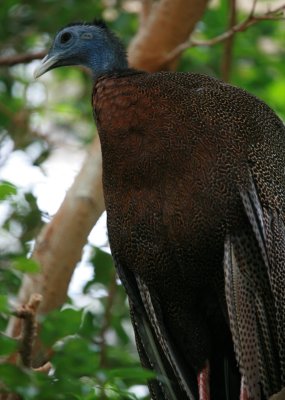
47 63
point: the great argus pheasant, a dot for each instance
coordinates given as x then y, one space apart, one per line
194 186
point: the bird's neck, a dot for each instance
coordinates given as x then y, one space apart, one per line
128 162
111 60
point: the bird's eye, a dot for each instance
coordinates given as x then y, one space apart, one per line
65 37
86 35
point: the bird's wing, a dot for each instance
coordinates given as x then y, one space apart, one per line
154 344
254 266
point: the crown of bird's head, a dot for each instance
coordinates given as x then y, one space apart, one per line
91 45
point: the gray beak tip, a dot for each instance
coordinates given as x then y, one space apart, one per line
45 65
36 73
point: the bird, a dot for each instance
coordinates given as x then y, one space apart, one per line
194 187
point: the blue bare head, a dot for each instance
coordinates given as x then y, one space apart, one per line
91 45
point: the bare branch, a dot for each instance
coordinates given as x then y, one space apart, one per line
276 14
44 368
9 61
27 313
253 7
229 43
10 396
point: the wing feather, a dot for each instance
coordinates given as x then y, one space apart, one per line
254 266
154 340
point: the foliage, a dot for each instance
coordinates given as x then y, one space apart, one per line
92 349
89 362
257 58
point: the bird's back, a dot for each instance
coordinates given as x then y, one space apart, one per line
190 131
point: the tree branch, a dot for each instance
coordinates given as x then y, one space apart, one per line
169 23
58 247
143 42
9 61
229 43
241 27
28 313
253 7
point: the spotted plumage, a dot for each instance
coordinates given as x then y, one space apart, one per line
194 185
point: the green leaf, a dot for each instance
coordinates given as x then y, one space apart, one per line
27 265
120 330
59 324
13 377
7 189
75 357
4 306
7 345
91 325
138 373
104 266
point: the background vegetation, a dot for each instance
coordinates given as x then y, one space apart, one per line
91 347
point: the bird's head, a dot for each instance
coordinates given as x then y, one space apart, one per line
91 45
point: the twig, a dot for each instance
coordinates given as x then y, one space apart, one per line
44 368
10 396
228 48
28 314
253 7
242 26
9 61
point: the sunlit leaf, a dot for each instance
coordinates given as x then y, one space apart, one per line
27 265
7 189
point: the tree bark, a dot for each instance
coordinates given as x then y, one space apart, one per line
168 24
59 245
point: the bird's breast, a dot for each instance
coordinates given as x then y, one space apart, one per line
157 235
